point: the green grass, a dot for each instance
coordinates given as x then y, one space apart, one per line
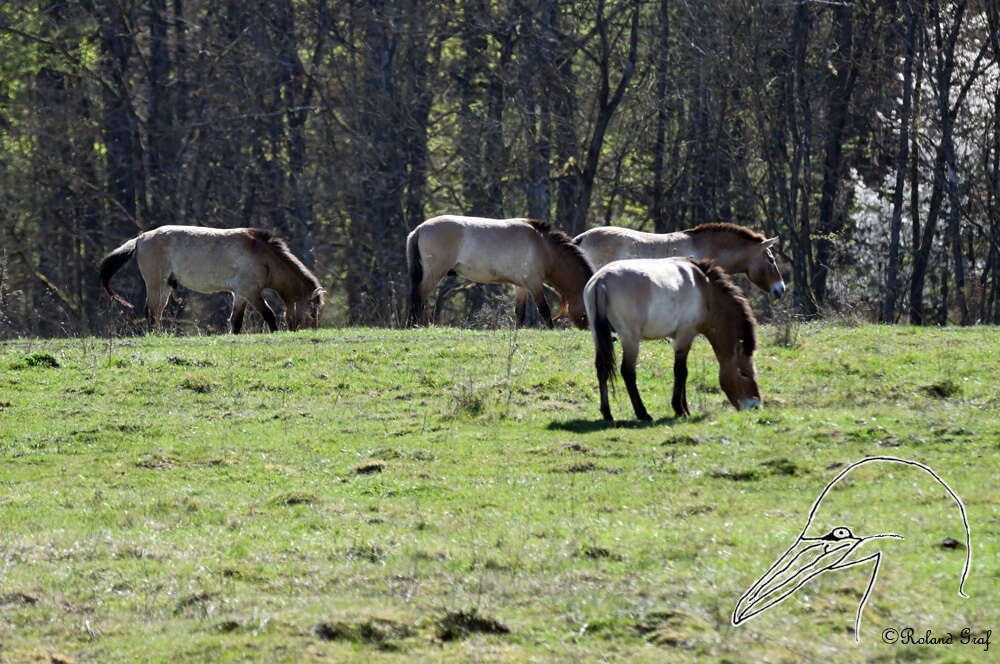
449 495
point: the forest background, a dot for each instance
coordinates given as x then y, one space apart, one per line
865 134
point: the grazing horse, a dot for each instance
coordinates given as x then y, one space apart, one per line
678 298
736 249
523 252
241 261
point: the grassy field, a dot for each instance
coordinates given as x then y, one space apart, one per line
448 495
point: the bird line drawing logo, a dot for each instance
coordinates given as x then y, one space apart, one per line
836 549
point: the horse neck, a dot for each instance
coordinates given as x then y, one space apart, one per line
565 272
718 327
728 250
284 279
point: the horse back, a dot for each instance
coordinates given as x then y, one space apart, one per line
606 244
484 250
654 298
203 259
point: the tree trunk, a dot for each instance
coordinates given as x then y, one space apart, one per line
659 147
840 87
895 224
607 104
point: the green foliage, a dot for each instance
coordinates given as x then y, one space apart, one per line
319 497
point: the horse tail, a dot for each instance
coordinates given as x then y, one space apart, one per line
600 326
114 262
416 268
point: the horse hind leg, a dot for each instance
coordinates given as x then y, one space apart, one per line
602 380
679 400
630 354
157 296
239 309
421 314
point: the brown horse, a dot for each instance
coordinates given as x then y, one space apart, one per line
523 252
677 298
241 261
735 249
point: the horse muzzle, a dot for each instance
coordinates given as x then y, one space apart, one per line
778 289
748 404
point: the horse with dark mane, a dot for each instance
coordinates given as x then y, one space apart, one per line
523 252
735 249
241 261
677 298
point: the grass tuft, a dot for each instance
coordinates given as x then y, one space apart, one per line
377 631
461 624
293 498
36 360
674 628
369 467
748 475
943 389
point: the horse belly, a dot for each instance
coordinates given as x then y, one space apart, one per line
671 308
663 320
207 276
489 263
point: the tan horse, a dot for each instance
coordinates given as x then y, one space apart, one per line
677 298
523 252
241 261
736 249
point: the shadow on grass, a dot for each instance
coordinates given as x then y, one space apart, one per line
590 426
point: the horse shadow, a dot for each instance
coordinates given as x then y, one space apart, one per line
590 426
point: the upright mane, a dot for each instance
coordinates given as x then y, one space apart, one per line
718 277
563 243
718 227
281 251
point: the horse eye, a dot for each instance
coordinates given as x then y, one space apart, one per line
744 375
841 533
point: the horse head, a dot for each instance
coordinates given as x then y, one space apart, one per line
304 311
763 271
576 312
738 377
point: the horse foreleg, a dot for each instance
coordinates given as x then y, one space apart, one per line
264 310
630 353
520 306
236 318
679 400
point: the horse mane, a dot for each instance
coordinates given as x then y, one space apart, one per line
723 227
718 277
281 251
562 243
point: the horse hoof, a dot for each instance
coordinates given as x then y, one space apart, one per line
645 417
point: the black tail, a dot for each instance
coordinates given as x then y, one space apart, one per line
416 313
114 262
604 360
